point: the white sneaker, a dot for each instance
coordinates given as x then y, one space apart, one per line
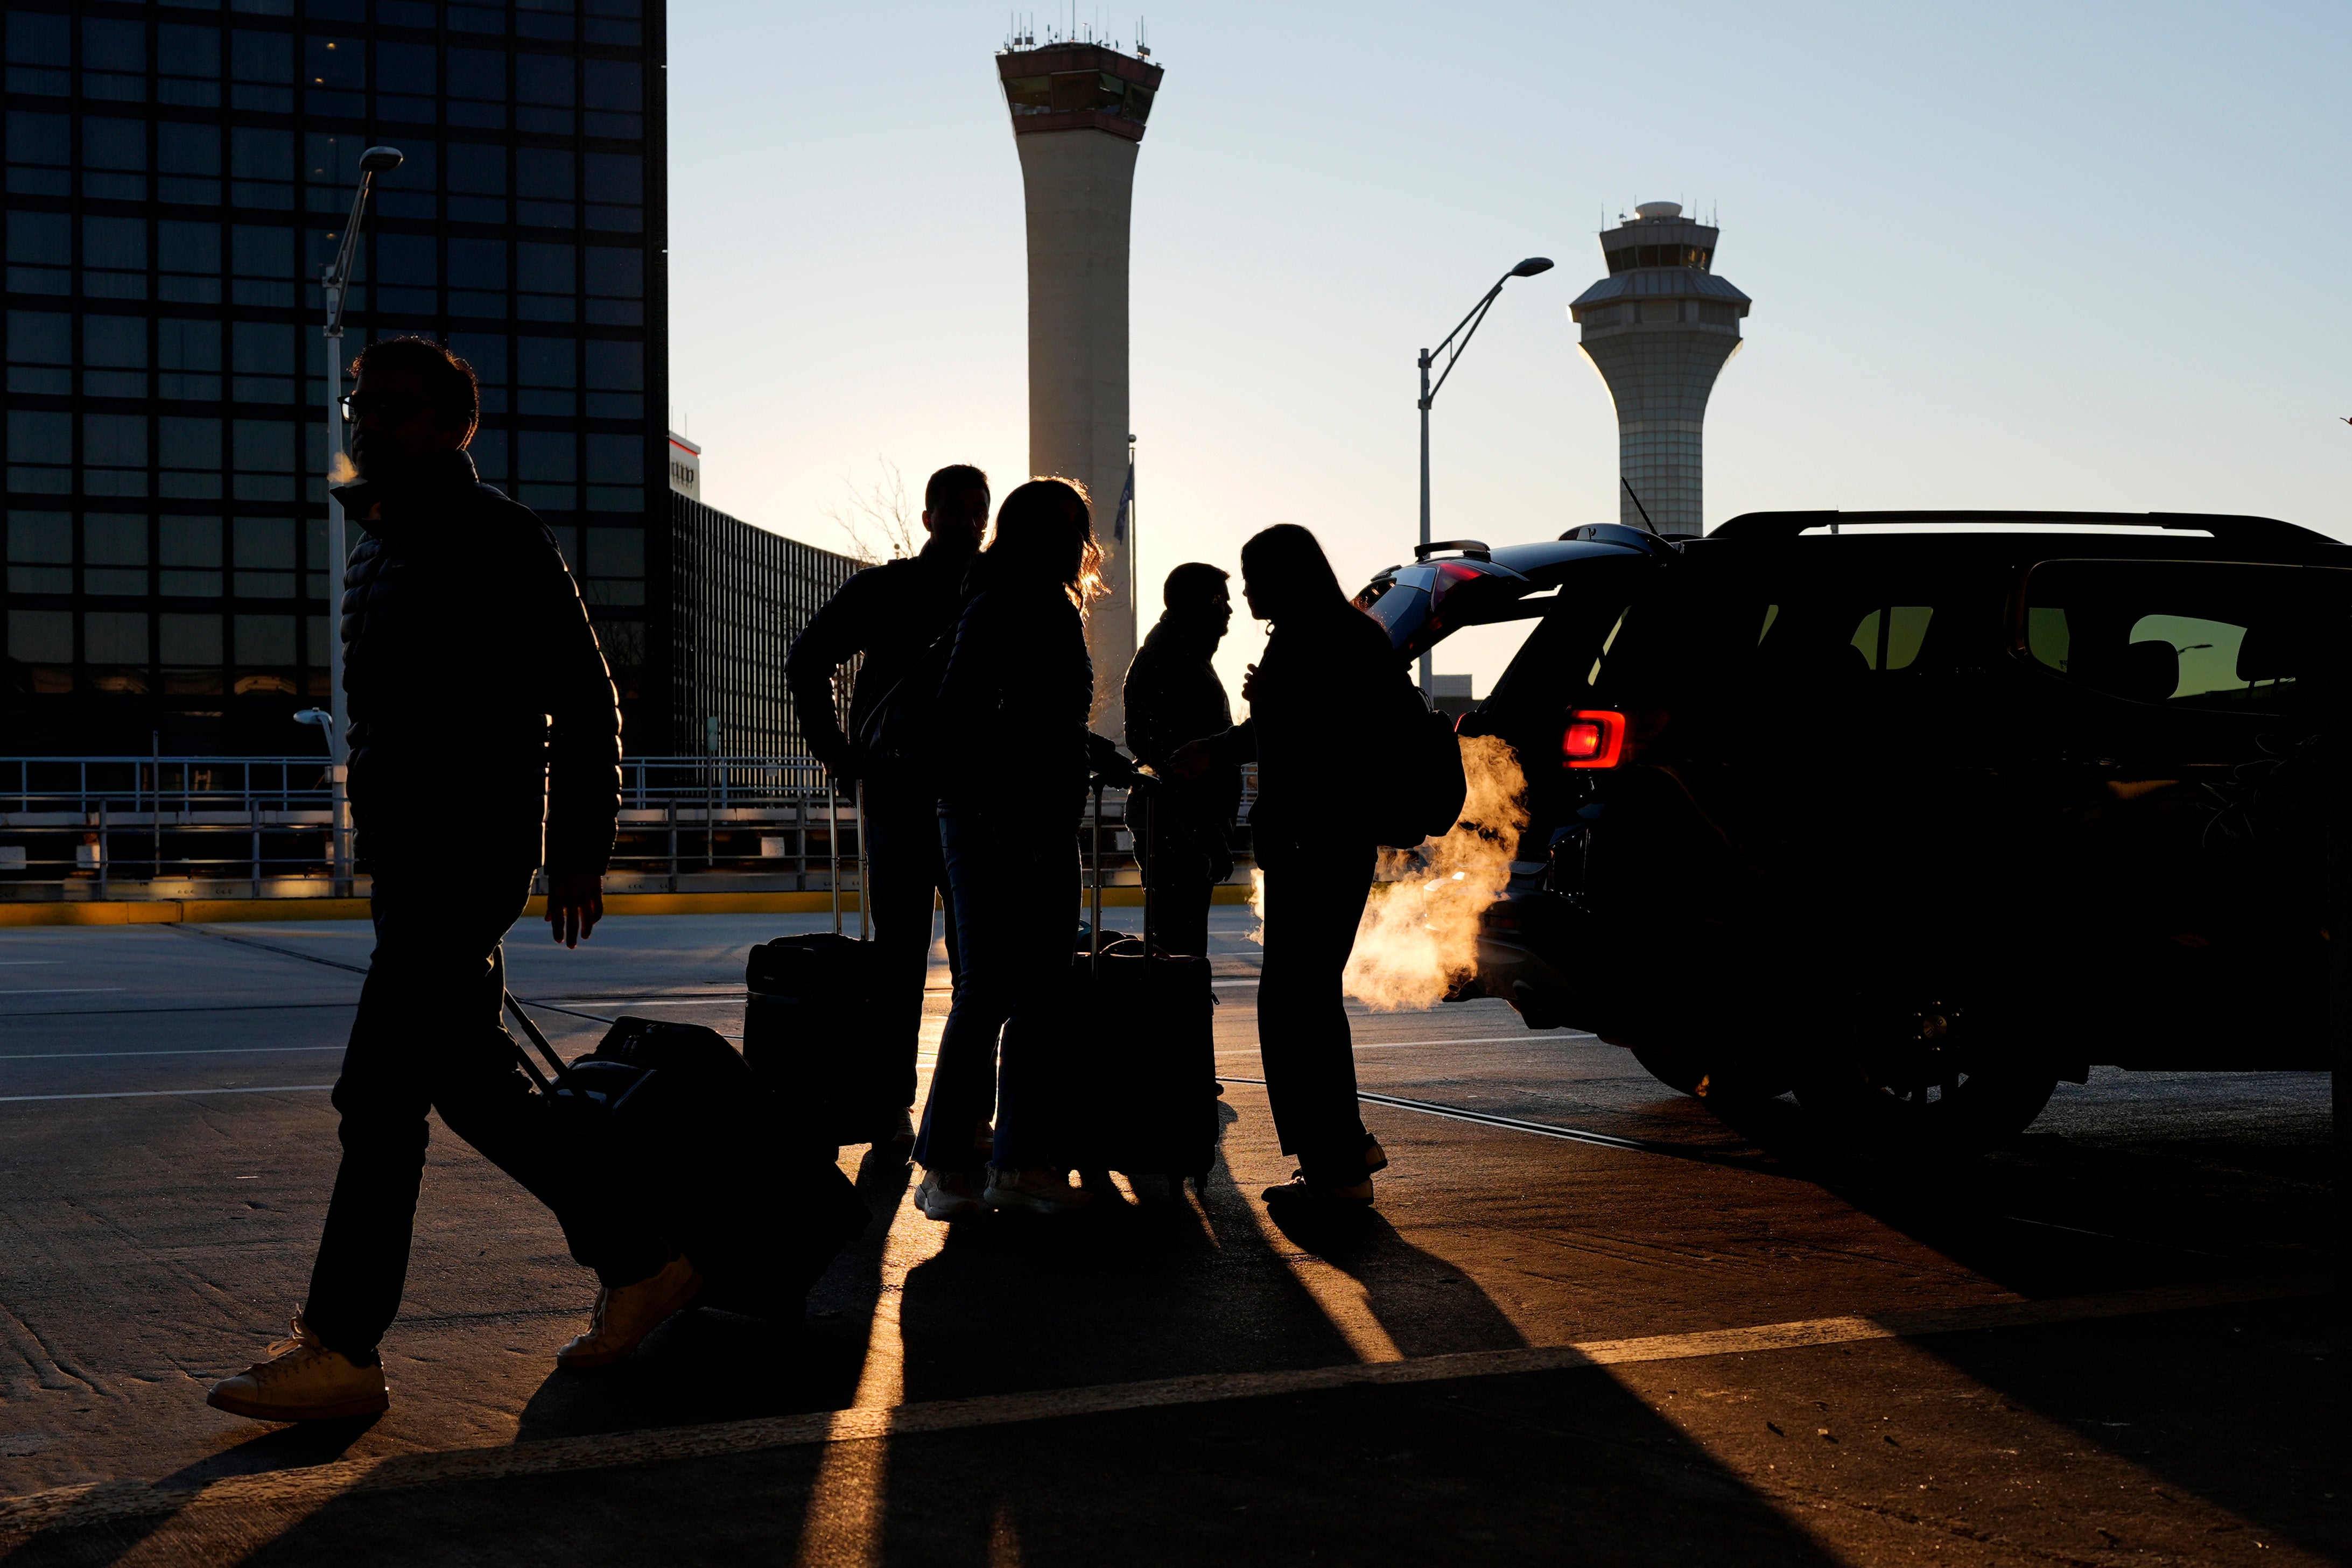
1037 1190
946 1195
625 1314
302 1380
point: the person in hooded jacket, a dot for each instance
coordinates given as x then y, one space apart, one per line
890 615
1013 757
475 683
1173 696
1327 680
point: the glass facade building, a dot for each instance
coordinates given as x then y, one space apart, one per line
177 174
738 597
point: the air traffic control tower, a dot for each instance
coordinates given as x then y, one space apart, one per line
1078 113
1659 327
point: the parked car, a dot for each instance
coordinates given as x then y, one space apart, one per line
1919 813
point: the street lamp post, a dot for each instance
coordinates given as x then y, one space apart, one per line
1527 268
335 283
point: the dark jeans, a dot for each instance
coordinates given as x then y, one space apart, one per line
904 867
429 1037
1181 892
1012 877
1313 901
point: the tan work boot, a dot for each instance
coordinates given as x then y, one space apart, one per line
625 1314
302 1380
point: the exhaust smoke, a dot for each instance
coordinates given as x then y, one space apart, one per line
1419 938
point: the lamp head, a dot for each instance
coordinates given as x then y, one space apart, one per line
384 160
319 716
1527 268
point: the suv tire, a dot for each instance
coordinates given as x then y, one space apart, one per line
1963 1116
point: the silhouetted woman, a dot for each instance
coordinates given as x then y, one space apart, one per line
1013 755
1320 697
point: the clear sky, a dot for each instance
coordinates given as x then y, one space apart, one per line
2002 254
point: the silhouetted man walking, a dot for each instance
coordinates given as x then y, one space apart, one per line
478 696
890 615
1173 696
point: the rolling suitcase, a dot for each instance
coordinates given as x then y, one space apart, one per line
1143 1041
728 1171
809 1023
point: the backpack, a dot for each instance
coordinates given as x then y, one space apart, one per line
895 743
1424 785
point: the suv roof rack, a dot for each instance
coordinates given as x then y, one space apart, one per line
2262 533
1475 549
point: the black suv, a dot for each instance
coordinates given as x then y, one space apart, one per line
1919 813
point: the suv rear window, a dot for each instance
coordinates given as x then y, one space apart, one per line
2190 633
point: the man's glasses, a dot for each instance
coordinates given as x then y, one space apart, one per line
357 406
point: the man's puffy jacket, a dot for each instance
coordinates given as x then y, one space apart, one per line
888 614
480 705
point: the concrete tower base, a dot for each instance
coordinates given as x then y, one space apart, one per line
1079 186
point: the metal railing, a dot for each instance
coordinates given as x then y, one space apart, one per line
211 827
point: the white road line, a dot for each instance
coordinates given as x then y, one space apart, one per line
210 1050
166 1094
61 991
28 963
99 1503
1467 1039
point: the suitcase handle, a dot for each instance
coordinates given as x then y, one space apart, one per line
537 1038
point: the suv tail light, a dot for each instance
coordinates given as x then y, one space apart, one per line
1595 737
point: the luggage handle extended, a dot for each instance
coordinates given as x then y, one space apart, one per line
1139 788
833 853
537 1038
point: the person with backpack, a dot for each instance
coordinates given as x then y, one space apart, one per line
477 694
889 616
1173 696
1014 756
1326 685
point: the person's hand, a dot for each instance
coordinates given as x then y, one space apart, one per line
1249 684
575 902
1189 760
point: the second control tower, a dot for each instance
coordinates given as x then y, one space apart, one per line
1078 111
1659 329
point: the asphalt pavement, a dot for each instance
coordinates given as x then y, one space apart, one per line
1590 1319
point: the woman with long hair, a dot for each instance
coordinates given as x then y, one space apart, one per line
1318 697
1012 756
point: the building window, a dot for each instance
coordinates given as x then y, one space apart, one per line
40 451
407 191
40 553
544 180
114 454
265 362
547 281
614 22
477 88
334 75
40 154
114 158
406 78
113 59
114 258
616 379
188 262
550 375
40 353
189 451
478 184
407 271
543 94
188 63
261 167
264 259
477 278
40 50
543 18
616 192
264 651
40 253
489 448
487 355
261 71
189 552
188 163
617 475
263 562
188 355
263 454
114 355
615 99
114 559
548 468
616 286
